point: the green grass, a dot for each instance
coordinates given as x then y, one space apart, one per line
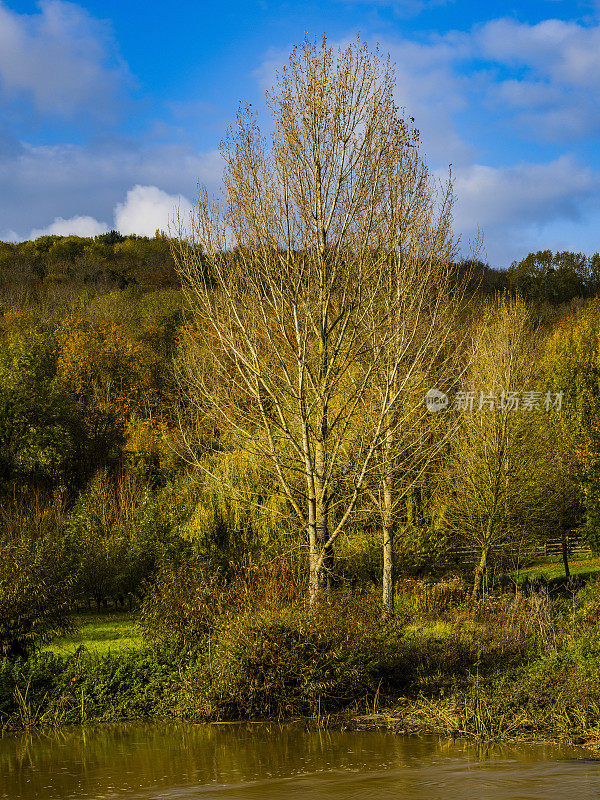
100 633
554 570
437 630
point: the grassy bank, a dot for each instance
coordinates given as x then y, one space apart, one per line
524 666
99 633
553 570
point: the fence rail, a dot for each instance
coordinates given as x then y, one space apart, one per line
552 546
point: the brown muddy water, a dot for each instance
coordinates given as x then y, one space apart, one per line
271 761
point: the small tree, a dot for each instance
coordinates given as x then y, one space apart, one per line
572 365
496 487
418 349
35 574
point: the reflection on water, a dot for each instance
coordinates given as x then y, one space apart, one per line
271 761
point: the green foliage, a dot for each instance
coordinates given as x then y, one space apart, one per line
35 578
509 665
120 535
182 606
149 455
39 426
109 260
572 366
236 516
421 547
554 277
50 690
88 393
152 316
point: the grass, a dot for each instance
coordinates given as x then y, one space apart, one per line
99 633
554 570
436 630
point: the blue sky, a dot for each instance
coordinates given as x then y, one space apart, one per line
111 112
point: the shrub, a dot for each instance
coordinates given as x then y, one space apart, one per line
35 590
182 606
418 599
47 689
280 662
121 534
39 425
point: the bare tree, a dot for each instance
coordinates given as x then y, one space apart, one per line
415 432
496 489
417 342
289 281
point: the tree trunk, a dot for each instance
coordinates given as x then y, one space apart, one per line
480 572
325 551
388 532
320 554
314 583
388 556
323 564
313 557
565 552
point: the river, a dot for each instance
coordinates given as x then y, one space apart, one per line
177 762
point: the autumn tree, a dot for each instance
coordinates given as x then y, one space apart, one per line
497 490
571 365
39 425
294 283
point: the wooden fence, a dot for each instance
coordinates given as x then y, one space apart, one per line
551 547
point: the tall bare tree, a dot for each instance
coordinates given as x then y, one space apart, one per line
417 342
295 282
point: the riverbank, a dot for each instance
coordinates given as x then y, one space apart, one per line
509 667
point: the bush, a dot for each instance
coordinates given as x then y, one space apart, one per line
182 607
35 594
47 689
428 601
39 425
281 662
121 534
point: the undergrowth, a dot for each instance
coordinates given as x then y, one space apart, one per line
512 665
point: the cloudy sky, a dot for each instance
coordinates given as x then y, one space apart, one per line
111 112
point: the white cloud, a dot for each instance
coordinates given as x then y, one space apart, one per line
38 184
444 81
511 203
144 210
147 209
566 52
62 60
9 235
556 80
519 209
523 193
273 60
430 89
76 226
541 80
